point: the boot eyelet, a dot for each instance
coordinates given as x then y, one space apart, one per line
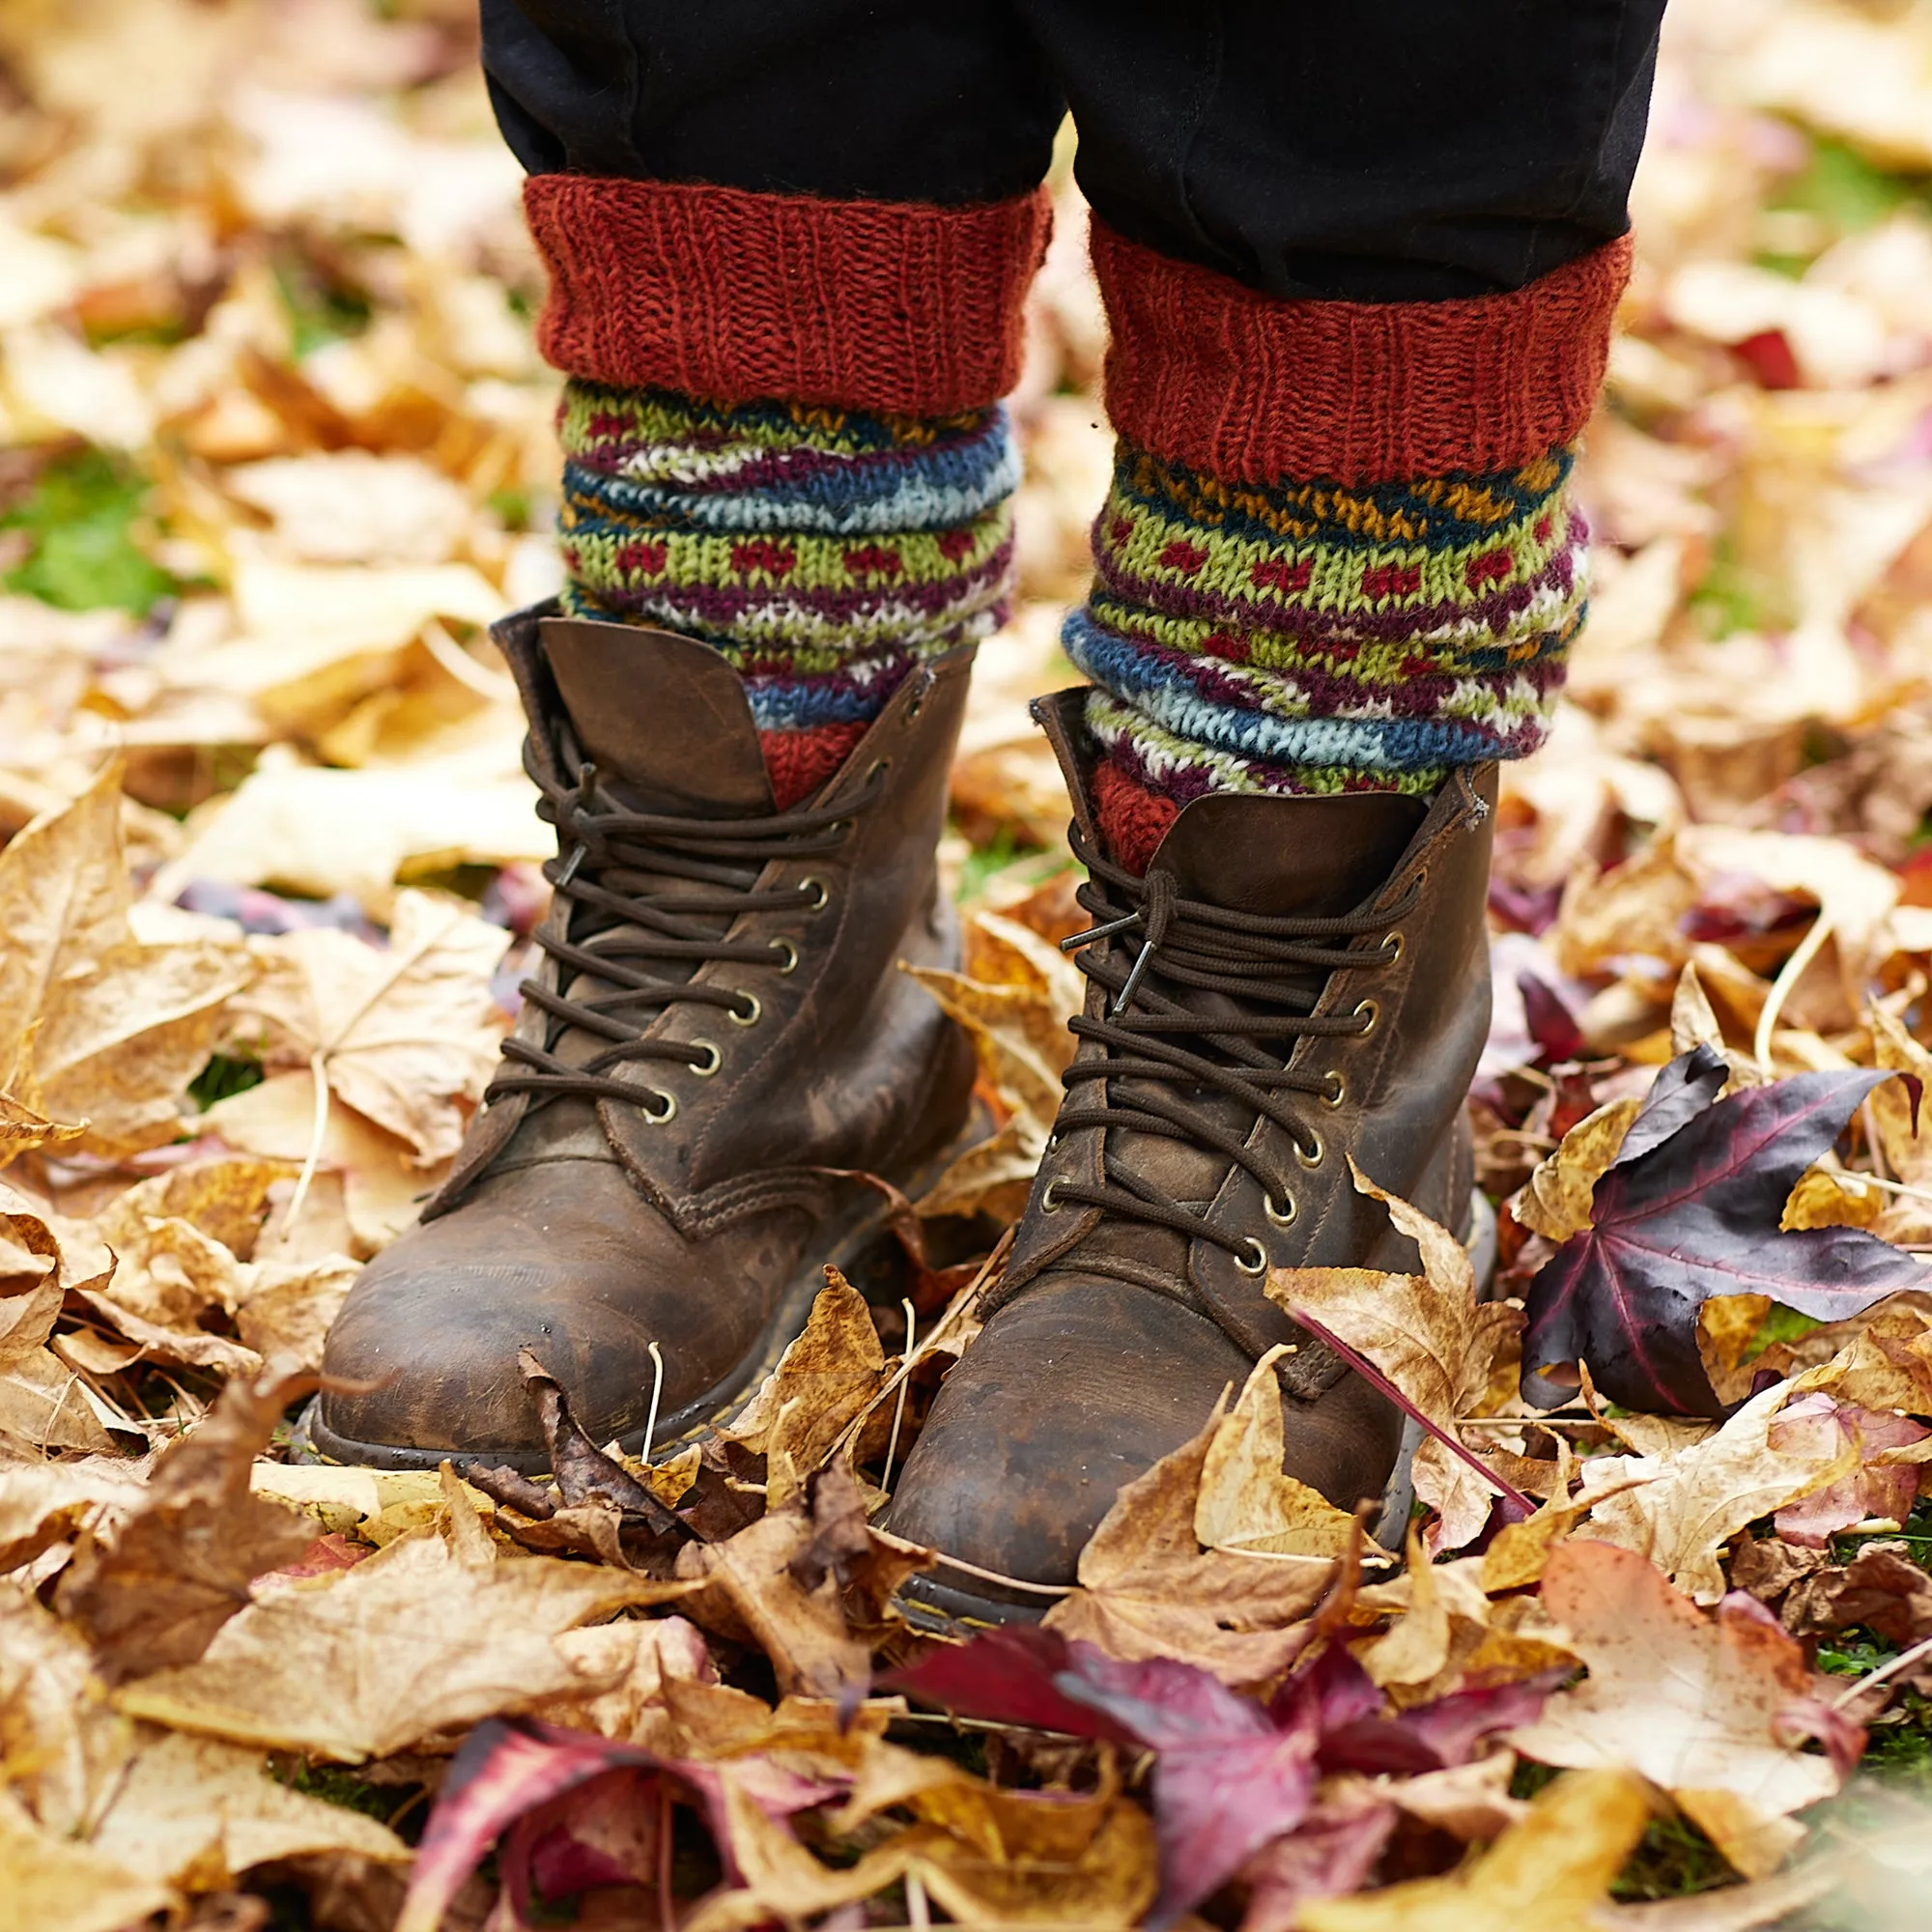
1283 1212
1369 1012
1052 1142
1311 1155
755 1012
1049 1202
787 955
1334 1091
880 766
705 1068
817 886
914 706
1252 1258
1391 947
670 1112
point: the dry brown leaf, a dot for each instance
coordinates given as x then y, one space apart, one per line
42 1502
1450 1632
431 1632
383 1186
775 1586
197 1813
1248 1502
1014 1008
1697 1705
43 1404
633 1658
406 1037
181 1562
96 1027
1552 1870
1699 1497
63 1747
48 1880
1446 1352
783 1880
1886 1364
1149 1589
824 1379
1036 1858
1557 1201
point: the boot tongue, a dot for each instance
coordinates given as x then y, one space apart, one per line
1316 857
664 717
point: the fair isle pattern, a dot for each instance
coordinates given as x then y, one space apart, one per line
821 550
1307 638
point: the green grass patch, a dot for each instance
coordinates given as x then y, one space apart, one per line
322 308
78 516
224 1076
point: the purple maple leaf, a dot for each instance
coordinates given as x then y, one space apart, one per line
1230 1776
1689 1211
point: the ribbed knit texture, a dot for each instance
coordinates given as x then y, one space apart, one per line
824 551
1312 638
729 295
1204 372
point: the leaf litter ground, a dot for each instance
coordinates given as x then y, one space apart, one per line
274 448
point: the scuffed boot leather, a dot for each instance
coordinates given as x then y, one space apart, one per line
1304 980
717 1043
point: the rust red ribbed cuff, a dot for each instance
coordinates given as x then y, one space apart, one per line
891 308
1205 371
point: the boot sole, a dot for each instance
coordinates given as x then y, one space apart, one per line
946 1609
865 1237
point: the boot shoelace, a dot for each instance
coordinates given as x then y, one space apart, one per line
1275 966
598 839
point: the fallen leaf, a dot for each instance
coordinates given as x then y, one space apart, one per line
1558 1200
747 1588
1881 1590
421 1638
64 1748
1690 1213
1696 1500
1702 1707
198 1813
1247 1501
1553 1869
826 1378
406 1037
181 1562
98 1030
50 1882
1148 1589
1430 1338
1879 1486
41 1502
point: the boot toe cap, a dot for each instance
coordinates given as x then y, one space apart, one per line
1069 1393
574 1266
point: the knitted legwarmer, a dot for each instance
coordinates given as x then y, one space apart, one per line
1318 640
1338 554
824 551
824 543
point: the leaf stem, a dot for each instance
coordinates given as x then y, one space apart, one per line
318 1068
911 1355
1922 1648
1788 975
1368 1371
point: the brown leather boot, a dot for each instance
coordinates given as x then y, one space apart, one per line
1296 981
717 1038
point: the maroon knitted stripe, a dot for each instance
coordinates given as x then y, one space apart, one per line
893 307
1250 388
